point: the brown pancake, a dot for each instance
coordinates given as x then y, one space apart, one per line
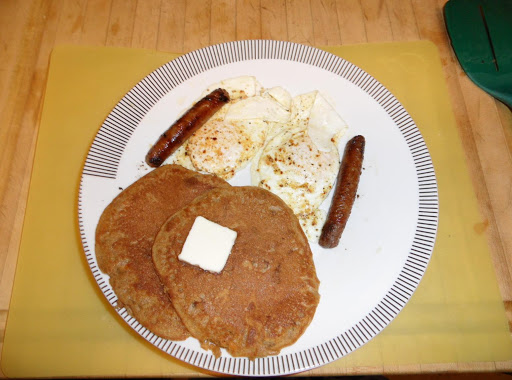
125 235
267 293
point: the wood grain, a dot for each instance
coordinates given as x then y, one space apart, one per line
96 19
325 23
299 21
351 22
121 23
377 21
171 28
248 19
273 20
197 24
69 29
224 21
145 27
402 20
29 29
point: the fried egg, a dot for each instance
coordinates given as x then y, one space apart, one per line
300 160
223 147
312 224
292 167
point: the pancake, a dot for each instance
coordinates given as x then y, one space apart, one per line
267 293
125 235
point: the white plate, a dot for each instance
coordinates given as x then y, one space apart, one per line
388 241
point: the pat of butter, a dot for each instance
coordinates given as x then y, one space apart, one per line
208 245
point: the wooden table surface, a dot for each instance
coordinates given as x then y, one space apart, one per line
29 29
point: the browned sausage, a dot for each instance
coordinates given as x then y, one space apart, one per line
344 193
185 126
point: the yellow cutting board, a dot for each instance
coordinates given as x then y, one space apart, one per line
59 322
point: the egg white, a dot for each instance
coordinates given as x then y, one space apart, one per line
260 108
300 160
292 167
280 95
312 224
325 125
237 87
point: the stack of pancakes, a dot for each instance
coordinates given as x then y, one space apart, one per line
263 299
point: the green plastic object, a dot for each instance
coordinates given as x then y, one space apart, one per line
481 36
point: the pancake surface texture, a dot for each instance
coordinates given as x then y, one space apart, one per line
267 293
125 236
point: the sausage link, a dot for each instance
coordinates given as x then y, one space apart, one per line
185 126
344 193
